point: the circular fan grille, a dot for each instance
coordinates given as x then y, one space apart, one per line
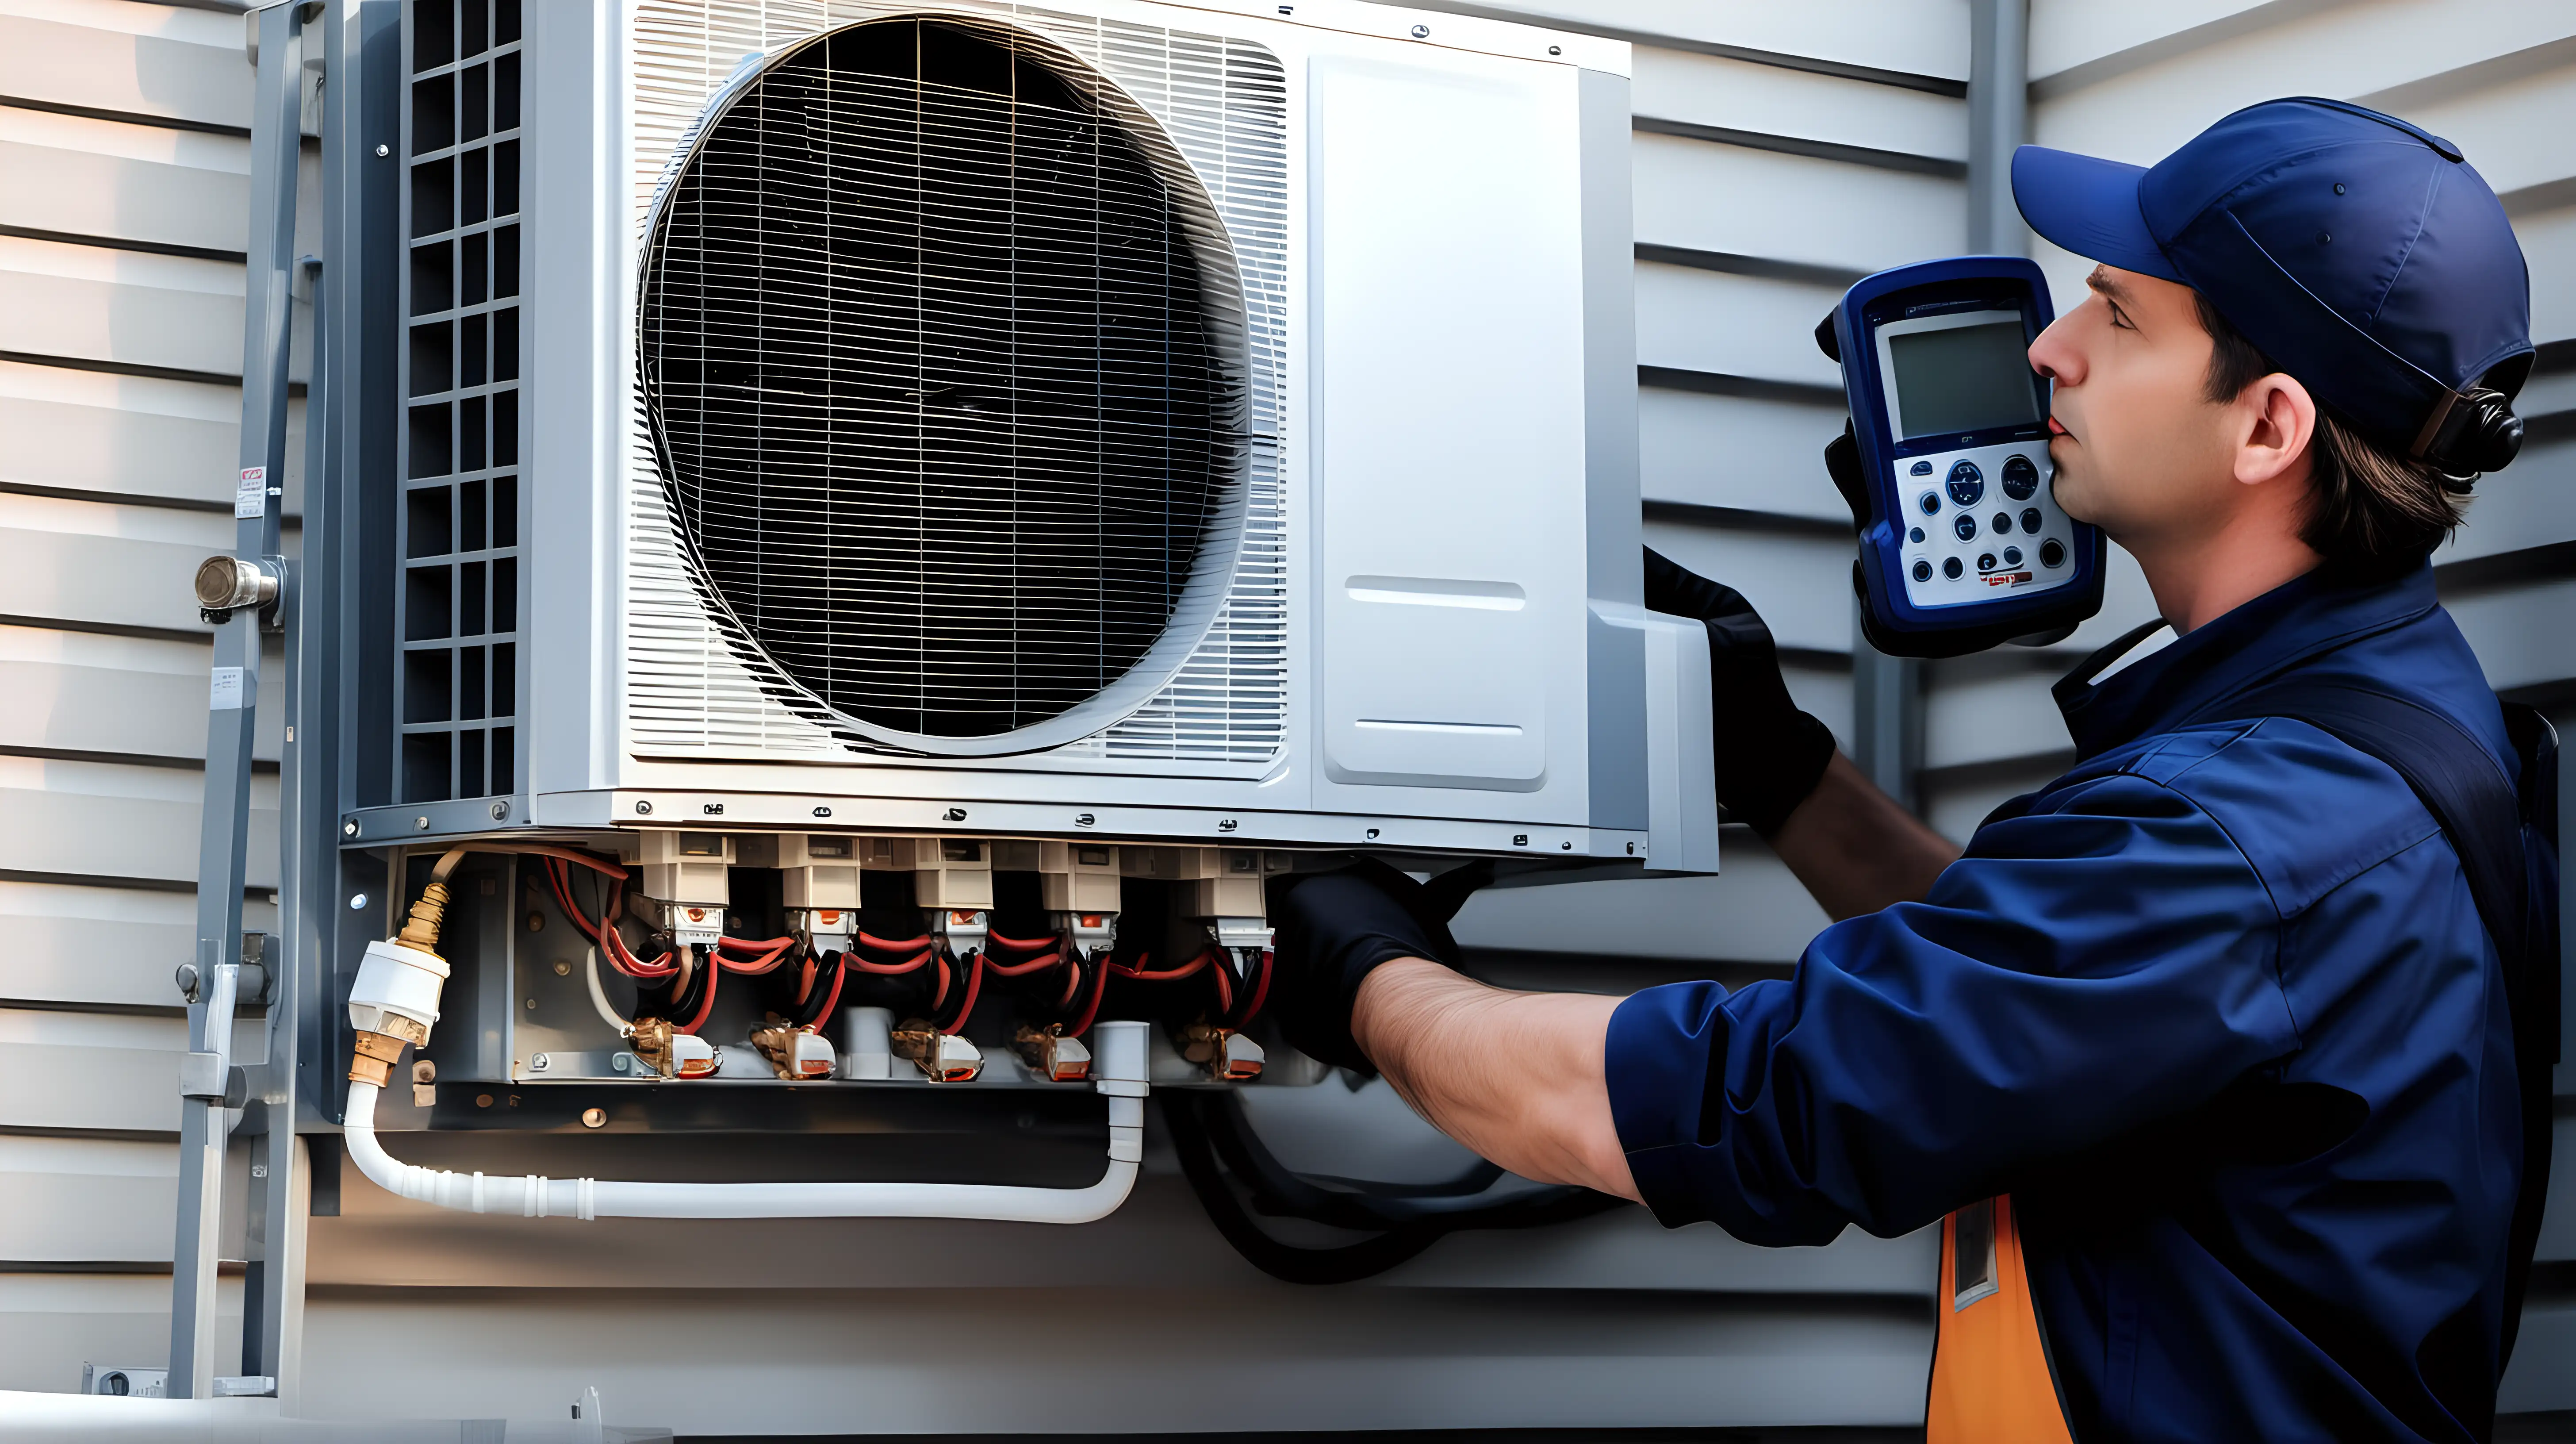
930 372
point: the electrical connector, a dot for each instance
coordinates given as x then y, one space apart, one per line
394 1000
670 1052
1226 1055
941 1057
794 1053
1051 1055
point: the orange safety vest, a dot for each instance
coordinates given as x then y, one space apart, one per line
1992 1382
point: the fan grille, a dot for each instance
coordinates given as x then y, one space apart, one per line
938 409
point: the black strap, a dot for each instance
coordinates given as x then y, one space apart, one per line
2499 836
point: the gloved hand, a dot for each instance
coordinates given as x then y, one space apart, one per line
1770 755
1331 928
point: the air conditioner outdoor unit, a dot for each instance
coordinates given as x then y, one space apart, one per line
1176 422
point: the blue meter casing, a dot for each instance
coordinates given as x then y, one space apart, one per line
1962 542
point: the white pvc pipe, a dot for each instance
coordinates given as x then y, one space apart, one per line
535 1196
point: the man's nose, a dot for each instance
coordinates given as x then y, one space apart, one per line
2055 357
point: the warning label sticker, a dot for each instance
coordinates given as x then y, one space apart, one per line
250 498
227 692
2007 579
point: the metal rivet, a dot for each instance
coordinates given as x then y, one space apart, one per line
1520 839
1632 849
562 969
1082 819
538 1063
383 149
1225 824
643 809
532 1005
1565 847
2338 187
500 810
349 828
1372 835
259 1170
421 822
537 923
822 812
482 1100
357 902
594 1118
622 1062
954 814
1421 32
1556 50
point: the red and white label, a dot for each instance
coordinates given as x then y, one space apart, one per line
2007 579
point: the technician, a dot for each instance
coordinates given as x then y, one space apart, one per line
2213 1016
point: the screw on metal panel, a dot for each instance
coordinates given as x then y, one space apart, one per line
954 814
500 810
1225 824
623 1062
186 978
259 1170
562 968
643 809
532 1005
1520 839
1372 835
594 1118
1082 819
482 1100
383 149
357 902
1556 50
537 924
822 812
1632 849
1565 847
1421 32
349 828
538 1062
421 823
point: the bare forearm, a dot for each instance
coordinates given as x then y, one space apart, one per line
1855 849
1517 1077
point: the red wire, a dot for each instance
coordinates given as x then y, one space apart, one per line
766 963
707 1000
1217 969
1022 945
604 933
866 966
754 944
974 984
823 1014
1021 970
1141 975
1260 991
893 947
1099 989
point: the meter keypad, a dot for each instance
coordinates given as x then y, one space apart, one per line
1967 485
1969 560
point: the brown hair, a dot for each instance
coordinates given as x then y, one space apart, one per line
2370 510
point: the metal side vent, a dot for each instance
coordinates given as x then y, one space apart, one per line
942 413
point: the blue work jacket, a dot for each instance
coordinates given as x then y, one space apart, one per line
2216 1009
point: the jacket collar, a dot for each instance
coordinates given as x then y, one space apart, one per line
2298 620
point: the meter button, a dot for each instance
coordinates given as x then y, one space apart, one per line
1966 527
1950 568
1922 468
1986 562
2012 556
1922 571
1967 484
2003 523
1915 536
2020 477
2052 553
2031 519
1929 501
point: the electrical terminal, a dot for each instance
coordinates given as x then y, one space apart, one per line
794 1053
828 930
964 929
949 874
687 925
941 1057
1078 877
1214 882
1226 1055
1094 933
671 1053
1051 1055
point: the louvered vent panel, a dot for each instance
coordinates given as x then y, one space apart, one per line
934 418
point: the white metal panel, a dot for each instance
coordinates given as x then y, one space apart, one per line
1742 201
1450 423
116 820
67 1200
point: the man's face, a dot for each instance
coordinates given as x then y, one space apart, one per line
2140 450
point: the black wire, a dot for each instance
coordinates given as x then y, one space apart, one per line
1208 1129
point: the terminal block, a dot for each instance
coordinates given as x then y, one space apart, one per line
1226 1055
1051 1055
670 1052
818 884
684 892
794 1053
941 1057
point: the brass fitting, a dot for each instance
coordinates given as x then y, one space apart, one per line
1050 1054
420 930
941 1057
372 1059
670 1052
795 1054
1228 1056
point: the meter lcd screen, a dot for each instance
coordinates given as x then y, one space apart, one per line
1955 378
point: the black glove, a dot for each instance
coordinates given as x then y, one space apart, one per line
1770 755
1331 928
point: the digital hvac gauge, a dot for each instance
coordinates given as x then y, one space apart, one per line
1962 543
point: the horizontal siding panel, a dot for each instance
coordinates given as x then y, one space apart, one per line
119 440
123 308
1753 911
1733 451
67 1200
2068 33
2531 503
53 1323
2510 116
1734 325
1919 37
64 708
88 194
1993 719
104 946
1770 100
89 1071
119 820
2523 635
191 71
1800 585
1740 201
2549 244
100 580
2140 115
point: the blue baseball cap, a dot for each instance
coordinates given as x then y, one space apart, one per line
2364 255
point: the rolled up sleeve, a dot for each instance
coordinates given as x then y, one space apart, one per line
2079 973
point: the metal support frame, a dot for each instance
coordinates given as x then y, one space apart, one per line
208 1073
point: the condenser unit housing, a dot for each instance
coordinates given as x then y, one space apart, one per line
1179 422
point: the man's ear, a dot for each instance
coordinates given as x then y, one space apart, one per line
2276 422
